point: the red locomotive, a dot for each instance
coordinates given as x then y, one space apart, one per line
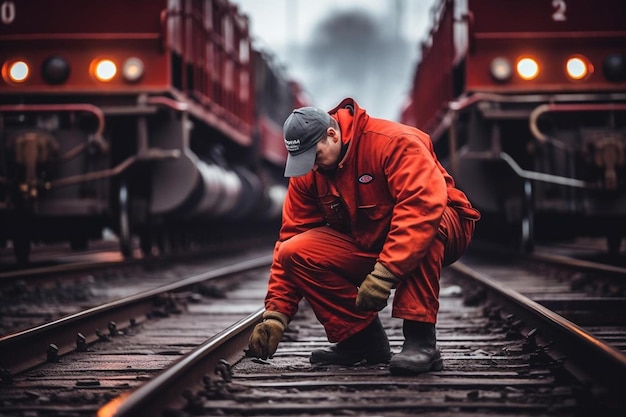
156 119
526 101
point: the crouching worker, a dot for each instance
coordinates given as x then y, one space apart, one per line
369 208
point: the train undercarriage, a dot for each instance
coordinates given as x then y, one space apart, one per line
541 167
151 172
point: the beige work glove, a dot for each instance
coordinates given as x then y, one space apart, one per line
266 335
376 289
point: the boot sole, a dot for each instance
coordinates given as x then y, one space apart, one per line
401 367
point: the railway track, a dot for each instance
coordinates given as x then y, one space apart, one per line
182 361
72 366
493 366
49 255
70 283
590 294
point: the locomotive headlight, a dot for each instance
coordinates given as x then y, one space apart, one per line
16 71
578 67
527 68
500 69
615 67
133 69
104 70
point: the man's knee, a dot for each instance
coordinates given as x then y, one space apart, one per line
293 248
458 235
286 251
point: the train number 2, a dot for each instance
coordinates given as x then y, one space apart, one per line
7 12
559 10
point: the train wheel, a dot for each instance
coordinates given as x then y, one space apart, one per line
614 243
22 227
163 242
79 244
124 234
21 249
527 224
145 242
176 241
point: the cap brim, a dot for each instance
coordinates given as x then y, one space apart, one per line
298 165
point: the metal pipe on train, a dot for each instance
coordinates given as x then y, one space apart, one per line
213 192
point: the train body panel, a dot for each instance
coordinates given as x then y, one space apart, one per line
142 117
549 32
276 97
526 104
78 33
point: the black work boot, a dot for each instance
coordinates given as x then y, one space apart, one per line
419 352
370 345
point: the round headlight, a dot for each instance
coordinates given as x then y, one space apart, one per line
615 67
133 69
18 71
500 69
527 68
55 70
578 67
104 70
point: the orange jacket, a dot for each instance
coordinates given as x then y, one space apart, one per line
388 192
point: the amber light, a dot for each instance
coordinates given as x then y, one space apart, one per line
527 68
103 70
16 71
133 69
578 67
500 69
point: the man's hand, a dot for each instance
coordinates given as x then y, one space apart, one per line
376 289
266 335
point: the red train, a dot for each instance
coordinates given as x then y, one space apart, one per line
156 119
526 102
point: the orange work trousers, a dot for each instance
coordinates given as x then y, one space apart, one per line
327 267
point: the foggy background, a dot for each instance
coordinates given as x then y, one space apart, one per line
365 49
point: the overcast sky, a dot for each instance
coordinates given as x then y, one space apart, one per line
365 49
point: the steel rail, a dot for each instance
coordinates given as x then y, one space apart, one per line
579 264
167 389
603 364
54 272
25 349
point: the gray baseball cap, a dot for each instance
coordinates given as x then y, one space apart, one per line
302 130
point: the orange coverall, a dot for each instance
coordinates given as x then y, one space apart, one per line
391 201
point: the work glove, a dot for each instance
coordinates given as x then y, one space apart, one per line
376 289
266 335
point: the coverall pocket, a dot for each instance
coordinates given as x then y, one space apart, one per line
374 211
335 213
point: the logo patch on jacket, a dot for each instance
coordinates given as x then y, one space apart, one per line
366 179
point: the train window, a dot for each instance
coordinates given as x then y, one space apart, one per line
578 67
103 69
527 68
16 71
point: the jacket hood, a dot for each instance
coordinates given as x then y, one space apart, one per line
351 117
